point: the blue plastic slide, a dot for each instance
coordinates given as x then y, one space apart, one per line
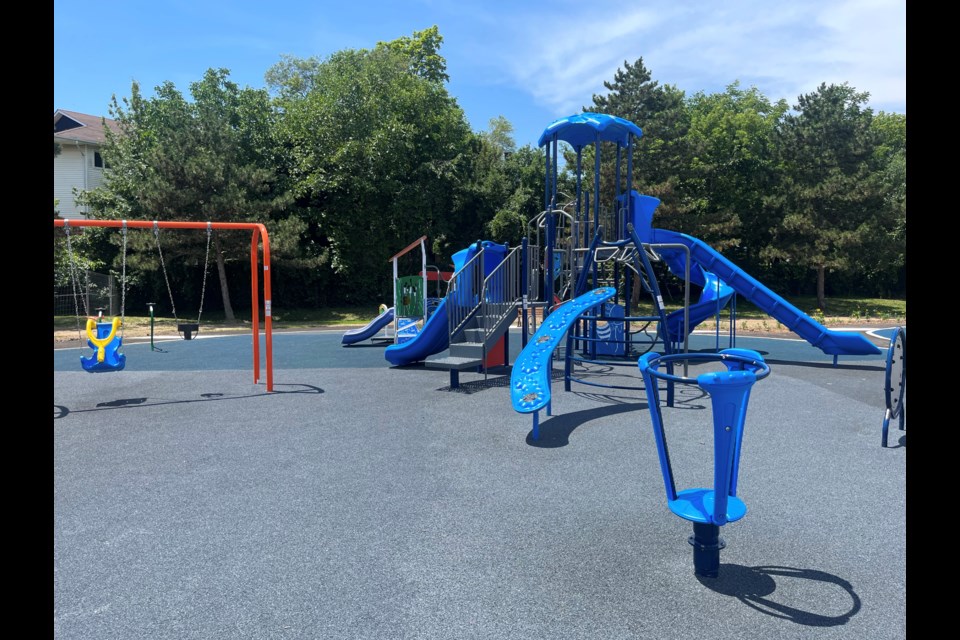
433 338
714 295
359 335
709 260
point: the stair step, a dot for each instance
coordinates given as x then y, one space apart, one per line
473 335
467 350
453 362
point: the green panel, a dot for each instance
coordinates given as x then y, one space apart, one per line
410 297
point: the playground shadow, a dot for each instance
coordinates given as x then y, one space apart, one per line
755 586
366 345
497 377
901 442
61 411
555 431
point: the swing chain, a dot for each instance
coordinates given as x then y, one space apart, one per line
73 281
156 233
206 262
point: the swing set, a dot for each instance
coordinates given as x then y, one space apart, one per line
106 338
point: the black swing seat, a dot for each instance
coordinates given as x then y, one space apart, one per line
188 329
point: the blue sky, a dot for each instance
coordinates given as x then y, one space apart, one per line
529 61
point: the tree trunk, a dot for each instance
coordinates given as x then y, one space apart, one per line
821 297
222 271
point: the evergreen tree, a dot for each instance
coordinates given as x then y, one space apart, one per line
660 155
828 200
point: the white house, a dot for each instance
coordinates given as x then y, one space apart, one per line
79 164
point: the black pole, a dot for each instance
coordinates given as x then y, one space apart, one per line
706 543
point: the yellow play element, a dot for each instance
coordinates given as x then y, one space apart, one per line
100 343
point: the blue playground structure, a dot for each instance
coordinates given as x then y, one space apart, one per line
579 244
531 373
895 382
711 270
594 265
464 299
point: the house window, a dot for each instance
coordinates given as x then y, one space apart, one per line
97 159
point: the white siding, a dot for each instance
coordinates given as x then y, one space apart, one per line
73 168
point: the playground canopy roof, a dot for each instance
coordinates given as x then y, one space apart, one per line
584 128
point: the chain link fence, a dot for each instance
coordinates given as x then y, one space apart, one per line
93 291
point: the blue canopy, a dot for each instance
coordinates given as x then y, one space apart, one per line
582 129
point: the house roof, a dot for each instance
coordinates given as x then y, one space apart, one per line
81 127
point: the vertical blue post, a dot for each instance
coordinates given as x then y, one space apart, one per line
580 212
548 253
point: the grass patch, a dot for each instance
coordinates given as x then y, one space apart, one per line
848 308
853 308
282 319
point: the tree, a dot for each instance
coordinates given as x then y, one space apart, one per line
660 155
208 159
376 146
523 198
731 170
500 135
422 50
501 187
827 200
885 260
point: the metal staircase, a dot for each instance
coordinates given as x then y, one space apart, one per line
480 313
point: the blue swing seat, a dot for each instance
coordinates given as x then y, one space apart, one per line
112 359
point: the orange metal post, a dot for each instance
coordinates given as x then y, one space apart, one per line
259 233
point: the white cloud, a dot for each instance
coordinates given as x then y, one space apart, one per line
782 48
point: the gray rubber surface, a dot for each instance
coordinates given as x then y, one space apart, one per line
364 501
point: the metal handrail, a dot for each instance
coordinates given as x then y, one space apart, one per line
463 293
501 291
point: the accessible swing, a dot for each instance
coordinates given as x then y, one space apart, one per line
187 330
105 338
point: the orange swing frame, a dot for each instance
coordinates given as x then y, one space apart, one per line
259 233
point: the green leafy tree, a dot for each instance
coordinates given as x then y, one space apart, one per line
422 49
731 140
828 201
376 144
501 187
883 261
525 172
211 158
